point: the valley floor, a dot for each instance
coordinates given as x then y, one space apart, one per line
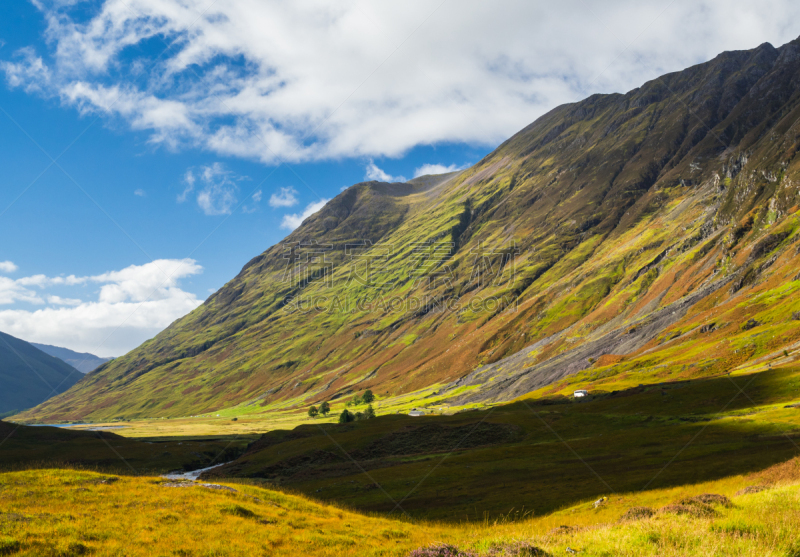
74 512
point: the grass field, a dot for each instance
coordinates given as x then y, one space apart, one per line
538 454
75 512
461 466
22 447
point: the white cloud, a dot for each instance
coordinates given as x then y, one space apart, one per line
7 267
290 222
218 188
28 72
287 197
13 291
139 193
132 305
59 301
331 78
374 173
431 169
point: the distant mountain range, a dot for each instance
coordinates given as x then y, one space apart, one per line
83 362
647 236
29 376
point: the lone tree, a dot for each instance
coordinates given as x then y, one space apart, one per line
368 397
369 412
346 416
312 412
325 408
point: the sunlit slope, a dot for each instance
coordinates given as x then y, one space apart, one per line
55 512
598 215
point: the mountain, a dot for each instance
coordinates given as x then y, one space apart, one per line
639 237
28 376
83 362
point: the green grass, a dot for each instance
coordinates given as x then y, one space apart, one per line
652 436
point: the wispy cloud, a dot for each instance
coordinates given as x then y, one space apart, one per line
290 222
433 169
217 191
254 202
374 173
139 193
286 197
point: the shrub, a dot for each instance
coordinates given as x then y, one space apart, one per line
368 397
346 416
312 412
695 510
637 513
708 499
325 409
369 412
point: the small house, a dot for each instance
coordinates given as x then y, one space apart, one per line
580 393
415 413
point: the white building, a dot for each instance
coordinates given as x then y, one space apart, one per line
416 413
580 393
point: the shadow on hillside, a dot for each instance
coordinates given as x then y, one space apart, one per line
541 455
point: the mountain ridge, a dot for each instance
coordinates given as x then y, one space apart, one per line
611 209
29 376
82 361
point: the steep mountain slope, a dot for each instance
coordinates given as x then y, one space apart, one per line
28 376
593 235
81 361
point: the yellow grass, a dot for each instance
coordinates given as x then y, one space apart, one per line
69 512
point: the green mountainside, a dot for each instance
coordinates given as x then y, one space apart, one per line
81 361
28 376
635 237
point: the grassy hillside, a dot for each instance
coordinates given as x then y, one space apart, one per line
540 454
28 376
23 446
649 233
55 512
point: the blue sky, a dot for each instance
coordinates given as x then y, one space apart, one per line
190 139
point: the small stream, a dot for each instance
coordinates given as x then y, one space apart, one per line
193 475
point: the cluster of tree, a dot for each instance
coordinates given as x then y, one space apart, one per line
323 409
348 416
366 398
